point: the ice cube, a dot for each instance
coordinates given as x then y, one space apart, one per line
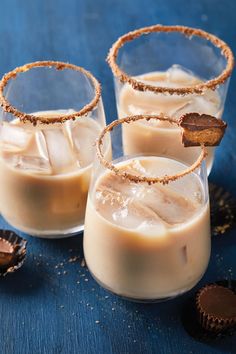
105 195
126 211
141 216
145 109
41 145
193 103
110 203
135 167
152 229
179 76
117 184
13 137
178 110
168 204
208 102
175 76
84 133
67 129
61 156
213 98
155 202
159 104
53 113
32 164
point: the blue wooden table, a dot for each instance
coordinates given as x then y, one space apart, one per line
52 305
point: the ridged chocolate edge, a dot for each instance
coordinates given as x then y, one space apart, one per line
19 245
210 322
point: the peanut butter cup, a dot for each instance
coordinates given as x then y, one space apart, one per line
216 308
200 129
12 252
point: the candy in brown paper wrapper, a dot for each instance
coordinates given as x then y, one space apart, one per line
12 252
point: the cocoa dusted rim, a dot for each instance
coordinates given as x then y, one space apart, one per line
187 31
134 178
9 108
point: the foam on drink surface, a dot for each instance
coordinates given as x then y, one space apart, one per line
49 149
134 102
145 207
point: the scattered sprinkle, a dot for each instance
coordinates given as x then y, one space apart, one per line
82 263
73 259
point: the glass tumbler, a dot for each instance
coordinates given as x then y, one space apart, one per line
151 216
52 112
169 70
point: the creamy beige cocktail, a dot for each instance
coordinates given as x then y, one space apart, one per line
159 137
169 70
151 241
45 173
51 115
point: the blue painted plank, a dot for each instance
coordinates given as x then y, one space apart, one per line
52 305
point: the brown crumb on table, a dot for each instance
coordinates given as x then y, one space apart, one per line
223 210
83 264
73 259
221 229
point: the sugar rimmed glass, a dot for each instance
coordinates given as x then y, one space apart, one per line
169 70
151 216
51 114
